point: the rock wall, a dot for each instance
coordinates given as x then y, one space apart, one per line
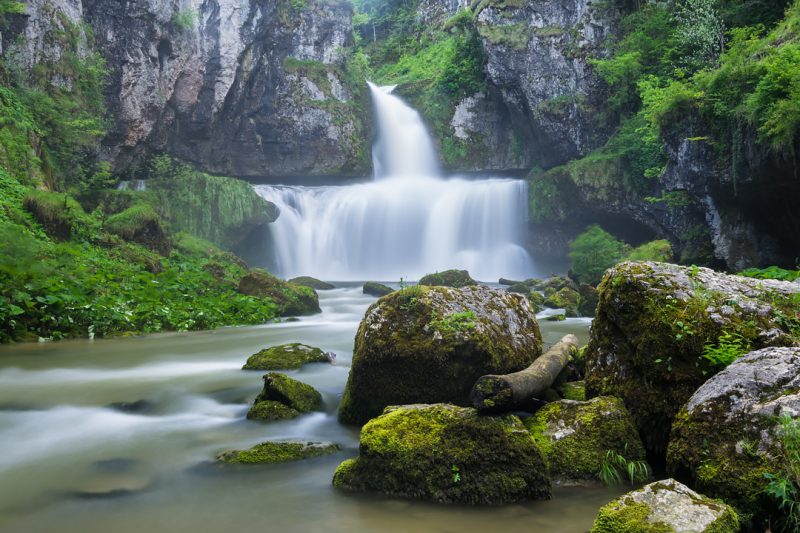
250 88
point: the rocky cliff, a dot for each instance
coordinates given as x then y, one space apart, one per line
249 88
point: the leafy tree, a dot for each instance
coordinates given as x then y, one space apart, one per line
593 252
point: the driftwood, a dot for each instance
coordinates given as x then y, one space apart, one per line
504 393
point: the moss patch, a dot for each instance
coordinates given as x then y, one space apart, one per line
278 452
291 299
269 411
290 392
448 278
285 356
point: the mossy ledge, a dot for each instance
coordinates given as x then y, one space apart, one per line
278 452
446 454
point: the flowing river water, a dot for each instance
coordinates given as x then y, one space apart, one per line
119 434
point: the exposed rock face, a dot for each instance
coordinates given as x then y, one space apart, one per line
652 324
738 411
666 507
446 454
575 437
537 59
238 87
430 344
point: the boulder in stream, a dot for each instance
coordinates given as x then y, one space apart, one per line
312 283
374 288
448 278
727 437
666 507
430 344
576 437
278 452
564 298
287 356
446 454
290 298
283 397
653 322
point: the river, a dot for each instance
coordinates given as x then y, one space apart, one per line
119 434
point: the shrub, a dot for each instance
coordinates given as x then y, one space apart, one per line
652 251
594 251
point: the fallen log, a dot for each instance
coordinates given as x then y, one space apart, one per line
493 393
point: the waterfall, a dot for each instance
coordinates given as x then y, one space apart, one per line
406 223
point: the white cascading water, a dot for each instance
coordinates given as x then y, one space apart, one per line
408 222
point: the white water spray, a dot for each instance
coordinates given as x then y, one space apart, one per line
406 223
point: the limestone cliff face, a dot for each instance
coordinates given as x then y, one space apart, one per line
250 88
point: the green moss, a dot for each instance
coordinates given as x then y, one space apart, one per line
142 225
291 299
312 283
566 299
628 518
574 390
448 278
278 452
376 289
515 36
285 356
59 214
414 451
271 411
575 437
290 392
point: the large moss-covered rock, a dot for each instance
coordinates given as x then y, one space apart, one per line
278 452
291 299
564 298
430 344
286 356
575 437
312 283
666 507
652 323
726 437
373 288
448 278
446 454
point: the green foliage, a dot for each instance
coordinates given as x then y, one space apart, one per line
455 323
784 487
593 252
729 347
616 468
11 7
659 250
700 28
772 272
185 19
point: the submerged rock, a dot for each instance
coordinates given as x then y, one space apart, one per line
653 322
737 410
278 452
666 507
283 398
291 299
430 344
576 437
312 283
286 356
448 278
376 289
446 454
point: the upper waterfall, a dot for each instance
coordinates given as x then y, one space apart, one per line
404 147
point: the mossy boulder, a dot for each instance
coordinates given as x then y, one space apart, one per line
142 225
587 303
574 390
726 437
61 217
537 299
564 298
373 288
291 299
448 278
446 454
283 398
575 437
519 288
278 452
286 356
666 507
556 283
430 345
652 323
312 283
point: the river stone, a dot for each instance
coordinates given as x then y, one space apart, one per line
738 411
291 299
564 298
290 392
448 278
666 507
271 411
376 289
430 344
278 452
575 437
286 356
652 323
446 454
312 283
519 288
